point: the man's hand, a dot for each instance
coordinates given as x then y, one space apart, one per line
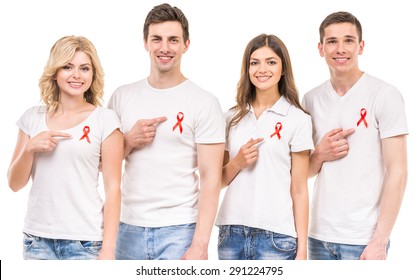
333 145
141 134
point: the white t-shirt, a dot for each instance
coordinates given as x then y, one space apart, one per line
160 183
347 191
64 202
259 196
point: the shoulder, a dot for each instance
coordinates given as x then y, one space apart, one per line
379 84
105 113
36 111
126 88
316 90
229 114
298 115
198 91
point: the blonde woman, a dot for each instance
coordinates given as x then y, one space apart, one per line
60 146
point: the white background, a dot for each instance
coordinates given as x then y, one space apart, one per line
219 32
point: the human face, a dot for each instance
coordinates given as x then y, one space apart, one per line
75 78
265 69
341 48
166 45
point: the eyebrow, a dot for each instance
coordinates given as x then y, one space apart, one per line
346 36
84 64
268 58
169 37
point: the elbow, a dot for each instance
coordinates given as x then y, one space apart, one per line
403 180
15 187
14 184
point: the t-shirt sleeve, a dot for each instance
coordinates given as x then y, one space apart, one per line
25 123
210 123
113 103
302 139
390 113
110 122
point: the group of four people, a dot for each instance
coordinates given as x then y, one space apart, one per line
179 150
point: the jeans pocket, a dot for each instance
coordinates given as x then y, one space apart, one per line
284 243
28 240
92 247
223 234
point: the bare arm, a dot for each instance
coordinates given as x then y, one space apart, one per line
210 158
22 160
248 154
394 150
299 195
112 157
141 134
332 146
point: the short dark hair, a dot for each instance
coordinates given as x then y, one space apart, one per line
166 12
340 17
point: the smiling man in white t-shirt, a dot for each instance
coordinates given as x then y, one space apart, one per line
359 131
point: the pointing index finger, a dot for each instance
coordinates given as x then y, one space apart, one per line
156 121
59 134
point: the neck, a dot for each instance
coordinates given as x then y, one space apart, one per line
163 80
68 105
342 83
266 99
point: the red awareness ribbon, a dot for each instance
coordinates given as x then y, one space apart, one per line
363 115
180 117
278 128
86 130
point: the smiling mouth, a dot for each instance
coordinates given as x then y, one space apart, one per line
263 78
164 58
341 59
75 84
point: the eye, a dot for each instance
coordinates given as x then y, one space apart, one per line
85 69
272 62
253 62
66 67
175 40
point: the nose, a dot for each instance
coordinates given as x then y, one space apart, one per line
262 67
76 73
164 46
340 48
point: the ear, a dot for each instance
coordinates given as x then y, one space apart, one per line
320 48
187 45
361 47
145 44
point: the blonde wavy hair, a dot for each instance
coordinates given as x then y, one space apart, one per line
60 55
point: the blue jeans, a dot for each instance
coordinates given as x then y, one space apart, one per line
39 248
146 243
322 250
246 243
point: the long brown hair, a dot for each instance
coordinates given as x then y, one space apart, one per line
246 91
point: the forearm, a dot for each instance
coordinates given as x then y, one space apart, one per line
394 187
300 209
19 171
111 217
127 145
229 172
315 164
208 204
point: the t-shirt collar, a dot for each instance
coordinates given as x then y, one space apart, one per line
280 107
